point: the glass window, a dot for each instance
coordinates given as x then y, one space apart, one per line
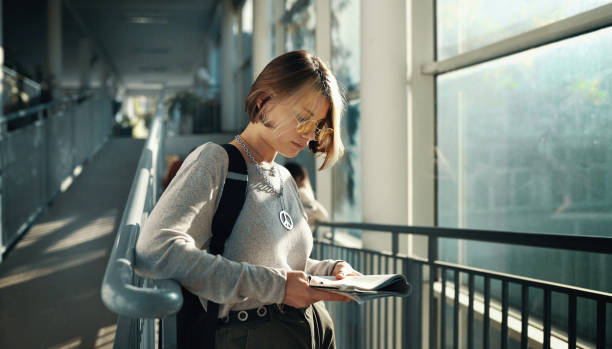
524 141
346 173
247 17
524 145
300 29
345 64
345 42
464 25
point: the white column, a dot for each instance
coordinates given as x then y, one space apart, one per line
2 136
213 68
324 179
384 121
85 55
262 35
279 27
421 115
54 43
228 120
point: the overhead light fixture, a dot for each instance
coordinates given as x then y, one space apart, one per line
147 20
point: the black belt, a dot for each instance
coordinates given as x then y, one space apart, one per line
261 313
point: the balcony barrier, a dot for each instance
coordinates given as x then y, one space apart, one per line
13 82
416 322
40 159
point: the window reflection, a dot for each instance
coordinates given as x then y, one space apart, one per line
464 25
524 145
345 63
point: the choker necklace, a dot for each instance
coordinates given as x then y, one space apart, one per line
284 216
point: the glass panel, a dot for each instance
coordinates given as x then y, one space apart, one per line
247 17
464 25
300 31
345 64
347 172
345 42
22 178
524 141
524 145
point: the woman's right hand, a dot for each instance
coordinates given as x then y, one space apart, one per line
299 295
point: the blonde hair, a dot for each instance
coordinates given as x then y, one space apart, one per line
289 75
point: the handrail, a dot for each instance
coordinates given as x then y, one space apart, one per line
431 271
16 75
119 291
584 243
40 107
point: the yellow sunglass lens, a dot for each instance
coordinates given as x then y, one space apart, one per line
306 127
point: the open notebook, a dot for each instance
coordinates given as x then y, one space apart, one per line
365 287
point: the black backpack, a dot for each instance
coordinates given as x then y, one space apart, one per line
195 326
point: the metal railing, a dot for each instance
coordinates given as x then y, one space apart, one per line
140 301
13 82
40 159
402 323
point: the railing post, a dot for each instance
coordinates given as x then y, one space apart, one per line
43 152
394 243
3 136
412 306
168 332
470 320
601 324
333 236
432 256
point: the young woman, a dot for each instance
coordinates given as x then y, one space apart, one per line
295 102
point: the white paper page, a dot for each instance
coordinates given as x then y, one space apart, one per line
364 282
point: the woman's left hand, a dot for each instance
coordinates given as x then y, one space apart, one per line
343 269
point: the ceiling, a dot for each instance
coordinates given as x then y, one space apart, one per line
144 43
147 43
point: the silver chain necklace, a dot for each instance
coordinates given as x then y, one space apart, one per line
284 216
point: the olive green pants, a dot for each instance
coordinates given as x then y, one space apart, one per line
308 328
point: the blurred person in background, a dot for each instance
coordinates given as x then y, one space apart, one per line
314 210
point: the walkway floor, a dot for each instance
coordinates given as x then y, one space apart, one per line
50 282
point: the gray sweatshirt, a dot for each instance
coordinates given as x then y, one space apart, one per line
252 271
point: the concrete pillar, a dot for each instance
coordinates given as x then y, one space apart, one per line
262 35
213 70
228 119
239 94
105 80
384 117
2 136
85 56
279 27
324 179
421 116
54 44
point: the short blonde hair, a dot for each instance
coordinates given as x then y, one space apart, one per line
288 74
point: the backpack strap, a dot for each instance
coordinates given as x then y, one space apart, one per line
232 200
195 326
